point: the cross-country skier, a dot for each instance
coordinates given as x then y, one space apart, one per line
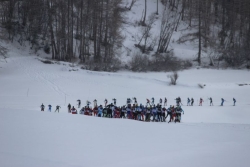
139 112
148 102
95 111
211 101
169 111
123 111
109 111
129 102
100 110
201 100
163 114
234 101
178 114
95 103
222 101
178 101
171 114
88 103
50 106
105 102
79 103
82 111
69 108
128 109
192 101
188 102
114 100
159 113
117 112
165 101
135 112
90 111
42 107
57 108
73 110
113 107
152 100
143 112
86 110
135 100
104 112
148 114
154 111
160 101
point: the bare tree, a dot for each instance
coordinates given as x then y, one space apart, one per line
131 4
168 24
157 7
146 34
143 21
173 78
3 52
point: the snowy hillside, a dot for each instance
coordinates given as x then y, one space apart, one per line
133 32
207 136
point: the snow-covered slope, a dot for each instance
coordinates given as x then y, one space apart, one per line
133 32
208 136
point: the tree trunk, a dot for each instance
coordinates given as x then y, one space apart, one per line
199 35
145 14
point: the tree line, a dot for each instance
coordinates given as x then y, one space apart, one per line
65 28
69 29
222 29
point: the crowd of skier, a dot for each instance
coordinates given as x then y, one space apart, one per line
150 112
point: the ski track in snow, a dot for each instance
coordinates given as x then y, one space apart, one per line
127 76
37 74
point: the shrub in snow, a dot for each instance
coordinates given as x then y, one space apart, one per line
47 62
158 62
139 63
201 85
173 78
113 65
46 49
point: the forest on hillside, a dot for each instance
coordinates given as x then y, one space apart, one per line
90 30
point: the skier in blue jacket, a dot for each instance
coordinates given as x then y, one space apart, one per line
234 101
139 109
50 106
128 113
154 111
100 109
222 101
188 101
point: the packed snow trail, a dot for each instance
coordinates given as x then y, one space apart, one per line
30 138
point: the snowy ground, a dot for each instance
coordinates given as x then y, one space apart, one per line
208 136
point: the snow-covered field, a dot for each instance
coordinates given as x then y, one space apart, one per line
208 135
